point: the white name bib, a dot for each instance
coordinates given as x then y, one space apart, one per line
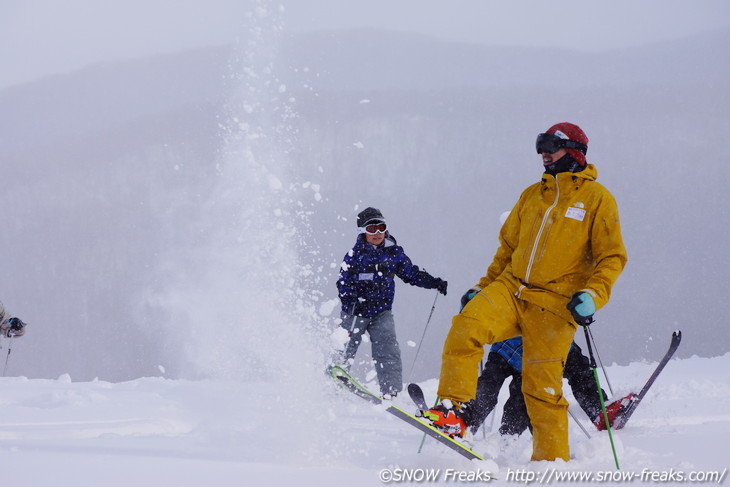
575 213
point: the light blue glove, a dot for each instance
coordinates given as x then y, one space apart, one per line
582 307
468 297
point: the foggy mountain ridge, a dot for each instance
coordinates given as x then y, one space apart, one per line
369 59
105 94
111 172
101 96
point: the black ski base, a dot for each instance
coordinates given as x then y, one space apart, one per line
621 420
416 393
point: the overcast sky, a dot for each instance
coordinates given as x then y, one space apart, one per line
41 37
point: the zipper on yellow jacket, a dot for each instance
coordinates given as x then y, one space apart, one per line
539 235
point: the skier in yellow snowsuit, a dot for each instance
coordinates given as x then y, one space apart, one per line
560 253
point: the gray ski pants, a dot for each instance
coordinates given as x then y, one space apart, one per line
385 348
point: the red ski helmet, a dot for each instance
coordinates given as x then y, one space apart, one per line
568 136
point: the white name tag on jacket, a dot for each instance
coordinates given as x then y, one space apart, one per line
575 213
366 277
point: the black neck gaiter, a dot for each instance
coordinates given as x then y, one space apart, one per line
564 164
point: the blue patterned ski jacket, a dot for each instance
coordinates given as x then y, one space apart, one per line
367 276
511 350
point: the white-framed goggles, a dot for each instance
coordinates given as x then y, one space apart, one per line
374 228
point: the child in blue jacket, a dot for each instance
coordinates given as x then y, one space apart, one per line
366 288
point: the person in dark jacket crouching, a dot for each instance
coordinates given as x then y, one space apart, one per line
505 360
366 288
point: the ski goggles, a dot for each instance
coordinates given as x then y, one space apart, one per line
551 143
374 228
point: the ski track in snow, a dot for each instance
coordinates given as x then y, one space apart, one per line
186 433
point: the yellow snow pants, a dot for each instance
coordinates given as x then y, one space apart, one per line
496 314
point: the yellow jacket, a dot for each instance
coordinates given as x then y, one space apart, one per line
562 236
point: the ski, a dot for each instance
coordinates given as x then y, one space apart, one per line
435 433
621 419
416 393
343 378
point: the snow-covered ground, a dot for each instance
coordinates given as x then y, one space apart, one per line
157 431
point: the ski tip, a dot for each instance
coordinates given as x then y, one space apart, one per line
677 335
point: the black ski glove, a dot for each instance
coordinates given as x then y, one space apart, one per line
441 285
16 328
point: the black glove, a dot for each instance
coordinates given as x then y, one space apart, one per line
441 285
16 328
468 296
582 307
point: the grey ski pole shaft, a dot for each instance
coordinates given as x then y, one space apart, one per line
423 439
600 362
579 423
354 320
425 328
7 357
350 331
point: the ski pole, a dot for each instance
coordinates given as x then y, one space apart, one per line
354 320
600 362
579 424
423 439
7 357
350 331
418 350
600 395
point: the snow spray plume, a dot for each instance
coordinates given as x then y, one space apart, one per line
237 307
240 302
